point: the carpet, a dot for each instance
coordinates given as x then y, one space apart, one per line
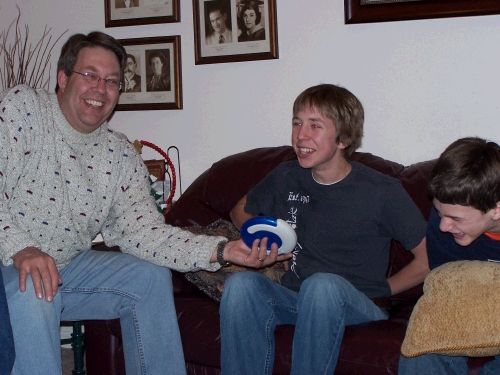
67 355
67 361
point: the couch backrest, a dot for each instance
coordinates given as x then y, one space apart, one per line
215 192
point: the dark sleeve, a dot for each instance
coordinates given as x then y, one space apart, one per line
261 199
403 219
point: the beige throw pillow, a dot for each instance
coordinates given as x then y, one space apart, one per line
459 313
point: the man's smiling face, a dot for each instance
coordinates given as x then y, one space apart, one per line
87 106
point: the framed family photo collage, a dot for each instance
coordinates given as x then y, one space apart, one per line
234 30
152 74
224 31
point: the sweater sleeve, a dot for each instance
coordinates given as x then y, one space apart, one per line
135 225
18 109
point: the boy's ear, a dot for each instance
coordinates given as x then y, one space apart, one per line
496 212
342 146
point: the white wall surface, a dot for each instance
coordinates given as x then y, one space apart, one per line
423 83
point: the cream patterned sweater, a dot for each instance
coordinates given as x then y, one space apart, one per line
59 188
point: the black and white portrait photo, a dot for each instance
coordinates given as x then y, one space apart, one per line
218 29
158 68
131 77
251 25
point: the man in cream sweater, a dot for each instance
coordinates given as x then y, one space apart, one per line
66 176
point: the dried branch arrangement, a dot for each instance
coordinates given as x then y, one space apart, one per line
23 62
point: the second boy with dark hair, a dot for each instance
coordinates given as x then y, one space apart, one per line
463 225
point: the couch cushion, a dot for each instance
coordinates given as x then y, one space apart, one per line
415 180
191 208
382 165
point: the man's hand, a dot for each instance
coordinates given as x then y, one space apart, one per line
42 269
238 253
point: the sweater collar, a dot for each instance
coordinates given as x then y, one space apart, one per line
71 135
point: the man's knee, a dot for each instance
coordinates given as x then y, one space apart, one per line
27 304
158 279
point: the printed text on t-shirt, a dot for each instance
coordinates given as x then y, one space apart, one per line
296 197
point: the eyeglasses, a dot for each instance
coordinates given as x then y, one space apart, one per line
110 83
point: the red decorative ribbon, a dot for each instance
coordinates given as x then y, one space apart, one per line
170 164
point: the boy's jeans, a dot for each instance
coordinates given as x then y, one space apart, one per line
434 364
99 285
252 305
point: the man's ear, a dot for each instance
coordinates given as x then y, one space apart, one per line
62 79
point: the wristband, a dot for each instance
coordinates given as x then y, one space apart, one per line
220 254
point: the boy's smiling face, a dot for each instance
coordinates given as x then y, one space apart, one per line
314 139
466 223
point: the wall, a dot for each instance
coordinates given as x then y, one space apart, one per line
423 83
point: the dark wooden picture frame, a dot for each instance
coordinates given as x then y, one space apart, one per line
149 12
238 49
144 55
358 11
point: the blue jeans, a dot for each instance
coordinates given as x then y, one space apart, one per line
252 306
434 364
99 285
7 353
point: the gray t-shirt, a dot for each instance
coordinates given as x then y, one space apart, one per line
344 228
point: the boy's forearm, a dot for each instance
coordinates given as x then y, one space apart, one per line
413 273
238 214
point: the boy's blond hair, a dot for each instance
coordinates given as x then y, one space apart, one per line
339 105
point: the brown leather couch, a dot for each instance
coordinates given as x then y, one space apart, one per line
367 349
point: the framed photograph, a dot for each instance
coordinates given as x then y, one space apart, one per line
364 11
234 30
152 74
140 12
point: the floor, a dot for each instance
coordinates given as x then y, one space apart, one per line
66 351
67 361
